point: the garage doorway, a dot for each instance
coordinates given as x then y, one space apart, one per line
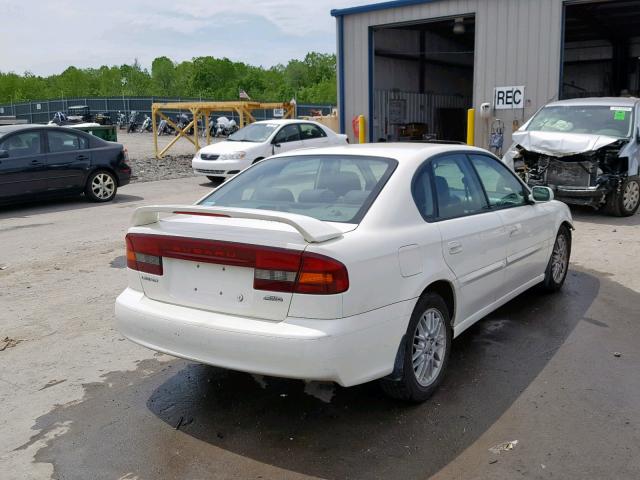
422 79
601 50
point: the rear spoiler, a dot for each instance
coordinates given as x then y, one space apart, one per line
311 229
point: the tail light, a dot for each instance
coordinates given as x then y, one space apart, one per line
275 269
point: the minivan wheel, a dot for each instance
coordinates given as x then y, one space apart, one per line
427 346
558 265
625 201
101 186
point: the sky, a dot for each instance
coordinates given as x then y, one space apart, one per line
46 36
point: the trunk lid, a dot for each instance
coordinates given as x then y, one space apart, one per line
209 262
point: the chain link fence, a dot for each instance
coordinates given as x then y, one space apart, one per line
41 111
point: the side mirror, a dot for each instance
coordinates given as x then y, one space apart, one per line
637 134
4 154
276 144
541 194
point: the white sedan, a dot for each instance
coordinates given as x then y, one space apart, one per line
346 264
260 140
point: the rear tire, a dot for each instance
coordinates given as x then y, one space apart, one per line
215 179
558 265
101 186
625 201
426 350
257 160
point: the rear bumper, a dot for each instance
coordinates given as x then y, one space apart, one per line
348 351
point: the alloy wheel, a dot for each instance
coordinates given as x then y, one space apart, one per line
631 196
559 259
103 186
429 347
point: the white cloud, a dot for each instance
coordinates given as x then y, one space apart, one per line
46 37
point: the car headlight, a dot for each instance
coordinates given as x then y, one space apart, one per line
232 156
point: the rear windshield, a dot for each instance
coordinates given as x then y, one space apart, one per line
596 120
332 188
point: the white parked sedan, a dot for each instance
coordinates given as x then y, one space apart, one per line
260 140
347 264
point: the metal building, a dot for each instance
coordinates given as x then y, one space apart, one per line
414 67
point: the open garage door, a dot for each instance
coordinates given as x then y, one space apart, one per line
423 79
601 51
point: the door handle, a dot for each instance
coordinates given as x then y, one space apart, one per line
82 157
454 247
36 162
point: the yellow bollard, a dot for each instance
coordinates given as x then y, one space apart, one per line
362 134
471 123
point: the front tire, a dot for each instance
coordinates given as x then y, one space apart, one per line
101 186
426 350
625 201
558 265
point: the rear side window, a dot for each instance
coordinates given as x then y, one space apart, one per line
503 189
65 142
327 187
457 190
22 144
309 131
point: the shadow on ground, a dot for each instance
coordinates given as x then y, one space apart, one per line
600 217
186 421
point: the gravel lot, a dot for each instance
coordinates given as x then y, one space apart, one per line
558 373
175 164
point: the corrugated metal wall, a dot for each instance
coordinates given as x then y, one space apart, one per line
518 42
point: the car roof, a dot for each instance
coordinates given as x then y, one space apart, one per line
4 129
284 121
403 151
596 101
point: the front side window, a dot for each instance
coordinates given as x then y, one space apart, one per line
288 133
22 144
65 142
501 186
327 187
309 131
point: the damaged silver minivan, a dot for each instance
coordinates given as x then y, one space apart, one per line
586 149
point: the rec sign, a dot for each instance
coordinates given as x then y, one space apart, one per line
508 98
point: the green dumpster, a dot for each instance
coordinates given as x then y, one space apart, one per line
106 132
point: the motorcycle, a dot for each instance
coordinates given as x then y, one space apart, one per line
225 127
146 124
121 120
164 128
182 120
133 122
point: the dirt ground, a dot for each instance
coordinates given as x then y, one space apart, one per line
556 373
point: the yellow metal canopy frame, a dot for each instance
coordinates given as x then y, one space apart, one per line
203 110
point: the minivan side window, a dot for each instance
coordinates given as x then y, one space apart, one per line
458 192
502 187
22 144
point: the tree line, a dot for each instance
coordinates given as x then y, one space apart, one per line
311 80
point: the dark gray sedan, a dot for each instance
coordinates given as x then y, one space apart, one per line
38 161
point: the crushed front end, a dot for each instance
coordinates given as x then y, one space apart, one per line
580 179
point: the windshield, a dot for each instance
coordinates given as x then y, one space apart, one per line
256 132
596 120
332 188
